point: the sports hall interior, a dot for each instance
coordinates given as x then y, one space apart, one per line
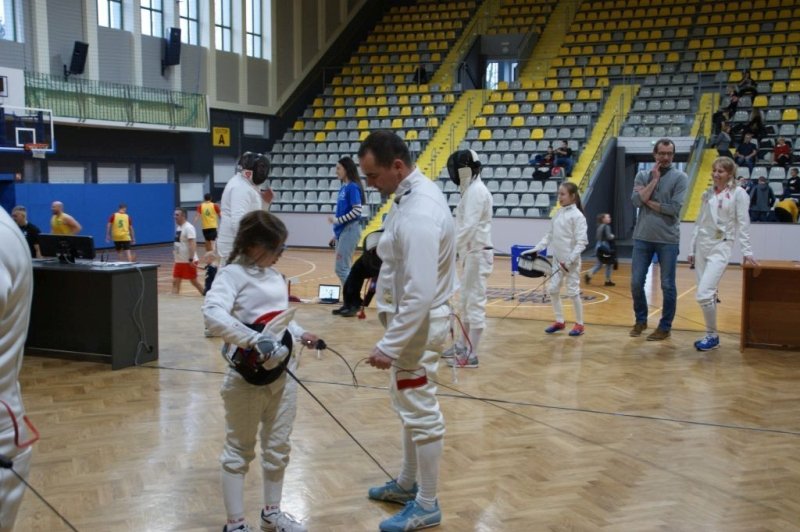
599 432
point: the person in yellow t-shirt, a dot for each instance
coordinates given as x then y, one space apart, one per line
62 223
209 212
120 229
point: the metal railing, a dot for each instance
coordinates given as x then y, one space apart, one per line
609 132
115 102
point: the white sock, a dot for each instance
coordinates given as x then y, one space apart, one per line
408 473
429 455
273 489
557 308
710 315
578 305
233 495
475 339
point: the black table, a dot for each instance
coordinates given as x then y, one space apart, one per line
95 311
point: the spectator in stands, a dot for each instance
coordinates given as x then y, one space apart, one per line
782 153
564 158
747 86
747 184
762 198
543 163
792 186
726 113
746 152
756 125
659 195
31 232
421 75
786 211
723 141
347 222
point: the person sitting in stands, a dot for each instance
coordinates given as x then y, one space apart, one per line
761 200
543 163
792 186
564 158
726 113
782 153
756 125
723 141
746 152
747 86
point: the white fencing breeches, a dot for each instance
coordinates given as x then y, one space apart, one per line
11 488
475 274
572 280
246 406
412 391
710 262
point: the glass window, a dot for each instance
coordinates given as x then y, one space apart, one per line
255 28
7 21
152 13
223 28
190 22
109 13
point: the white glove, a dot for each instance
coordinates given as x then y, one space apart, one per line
271 349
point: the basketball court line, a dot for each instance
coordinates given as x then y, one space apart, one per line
656 311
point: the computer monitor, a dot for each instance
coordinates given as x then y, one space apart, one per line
329 293
66 247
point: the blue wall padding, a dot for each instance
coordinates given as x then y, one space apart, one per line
150 206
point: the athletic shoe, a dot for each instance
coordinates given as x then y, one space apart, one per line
412 517
638 328
280 522
244 527
658 335
577 330
349 312
587 278
556 326
707 343
392 492
463 361
454 350
611 283
339 310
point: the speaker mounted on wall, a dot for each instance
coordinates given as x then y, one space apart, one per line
78 61
172 49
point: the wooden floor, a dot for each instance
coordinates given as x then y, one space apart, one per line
601 432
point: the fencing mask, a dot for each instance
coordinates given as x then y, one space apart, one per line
463 166
257 164
264 362
531 264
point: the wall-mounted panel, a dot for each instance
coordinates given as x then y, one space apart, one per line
193 69
116 55
331 19
310 32
152 52
283 50
257 81
64 27
227 77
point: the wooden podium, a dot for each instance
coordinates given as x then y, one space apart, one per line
771 305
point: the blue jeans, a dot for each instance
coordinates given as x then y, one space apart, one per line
345 247
668 260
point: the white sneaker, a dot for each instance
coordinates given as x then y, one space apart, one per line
244 527
454 350
281 522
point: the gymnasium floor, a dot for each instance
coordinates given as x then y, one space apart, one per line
601 432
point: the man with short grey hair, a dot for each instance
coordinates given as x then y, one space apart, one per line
30 231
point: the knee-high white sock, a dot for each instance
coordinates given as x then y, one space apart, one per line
577 304
273 488
462 335
233 495
557 308
429 455
475 339
408 473
710 315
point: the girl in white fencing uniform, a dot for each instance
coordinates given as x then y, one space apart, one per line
256 389
723 217
565 241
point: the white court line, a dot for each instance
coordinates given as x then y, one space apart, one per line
313 266
656 311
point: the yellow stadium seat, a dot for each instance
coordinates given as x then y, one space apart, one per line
318 113
339 113
532 96
789 115
513 109
363 135
485 134
760 101
538 108
495 97
411 134
363 124
480 122
779 86
383 111
397 123
537 134
558 96
517 121
508 96
319 136
488 109
565 107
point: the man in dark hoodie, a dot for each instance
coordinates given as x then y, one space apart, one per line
762 198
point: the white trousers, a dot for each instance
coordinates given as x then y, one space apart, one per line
475 273
11 488
412 391
247 406
710 262
571 279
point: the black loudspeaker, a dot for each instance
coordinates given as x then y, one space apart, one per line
78 62
172 49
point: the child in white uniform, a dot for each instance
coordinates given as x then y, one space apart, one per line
565 242
723 217
247 291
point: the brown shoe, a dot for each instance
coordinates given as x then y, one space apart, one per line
658 335
638 328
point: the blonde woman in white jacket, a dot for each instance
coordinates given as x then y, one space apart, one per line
565 241
723 218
